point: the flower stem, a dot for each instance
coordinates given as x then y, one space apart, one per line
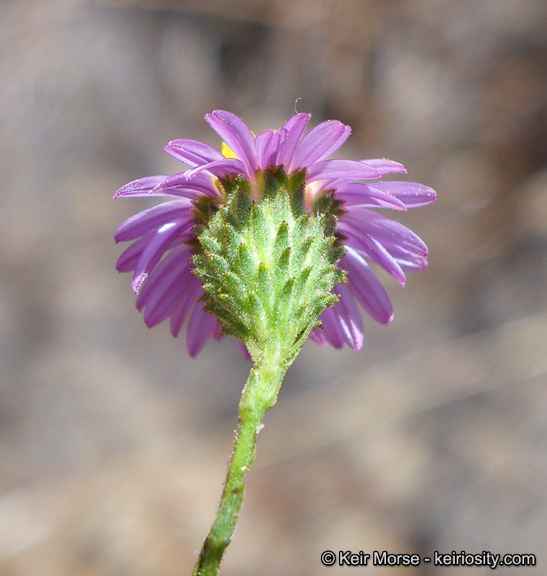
259 394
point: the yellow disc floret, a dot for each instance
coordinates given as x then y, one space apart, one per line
226 151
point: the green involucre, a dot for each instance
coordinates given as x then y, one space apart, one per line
268 267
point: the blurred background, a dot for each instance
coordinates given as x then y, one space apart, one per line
113 442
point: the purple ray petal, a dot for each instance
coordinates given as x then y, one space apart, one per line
140 187
217 332
411 194
164 275
165 310
155 217
238 137
220 168
373 250
408 259
200 327
335 168
163 304
192 152
176 241
349 318
370 202
290 134
156 248
366 287
331 330
319 143
130 256
415 264
360 194
266 148
161 307
193 292
387 231
318 336
244 350
385 166
181 185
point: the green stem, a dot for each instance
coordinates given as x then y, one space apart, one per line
259 394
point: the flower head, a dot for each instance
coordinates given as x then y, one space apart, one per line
167 239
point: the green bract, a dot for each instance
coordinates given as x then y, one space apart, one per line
268 265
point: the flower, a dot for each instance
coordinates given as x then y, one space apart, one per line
164 237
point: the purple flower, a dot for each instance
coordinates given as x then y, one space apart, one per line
162 236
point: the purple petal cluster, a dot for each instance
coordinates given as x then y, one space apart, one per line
159 255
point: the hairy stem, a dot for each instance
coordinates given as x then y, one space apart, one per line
259 394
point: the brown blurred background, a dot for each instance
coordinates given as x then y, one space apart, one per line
113 442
